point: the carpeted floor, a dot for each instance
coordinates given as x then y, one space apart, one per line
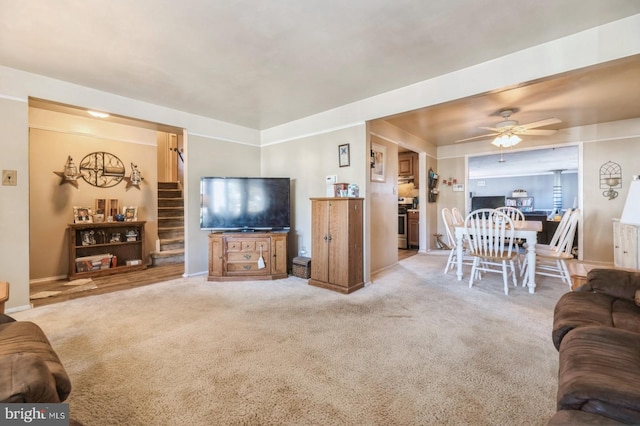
414 347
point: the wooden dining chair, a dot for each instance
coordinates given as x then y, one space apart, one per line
553 244
458 219
449 223
552 261
491 243
516 216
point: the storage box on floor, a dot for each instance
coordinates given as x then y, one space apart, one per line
92 263
302 267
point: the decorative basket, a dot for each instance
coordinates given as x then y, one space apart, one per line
302 267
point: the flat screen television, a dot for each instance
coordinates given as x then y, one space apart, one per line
245 203
490 202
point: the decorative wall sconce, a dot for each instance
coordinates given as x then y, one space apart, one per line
135 179
610 178
70 173
611 193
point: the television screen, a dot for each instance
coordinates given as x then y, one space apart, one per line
244 203
490 202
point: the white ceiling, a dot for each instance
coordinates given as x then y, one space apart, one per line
261 64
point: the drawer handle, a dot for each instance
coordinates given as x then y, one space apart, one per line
246 256
246 267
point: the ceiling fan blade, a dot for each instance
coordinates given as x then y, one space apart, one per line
493 129
541 123
536 132
478 137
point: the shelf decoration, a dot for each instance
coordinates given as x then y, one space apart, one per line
70 174
610 178
135 179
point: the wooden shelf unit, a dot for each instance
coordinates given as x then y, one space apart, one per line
336 244
234 256
103 234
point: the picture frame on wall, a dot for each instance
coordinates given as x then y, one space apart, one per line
344 159
130 213
378 169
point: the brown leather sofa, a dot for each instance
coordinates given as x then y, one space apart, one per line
597 332
30 370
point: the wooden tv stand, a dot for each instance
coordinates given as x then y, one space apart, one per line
234 256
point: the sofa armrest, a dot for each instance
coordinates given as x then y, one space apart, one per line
26 378
614 282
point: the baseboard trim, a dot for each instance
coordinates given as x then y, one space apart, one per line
18 308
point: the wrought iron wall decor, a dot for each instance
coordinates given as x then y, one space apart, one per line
102 169
610 178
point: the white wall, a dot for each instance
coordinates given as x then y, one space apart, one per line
307 161
209 157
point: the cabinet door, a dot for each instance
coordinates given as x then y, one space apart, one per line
216 257
629 247
414 229
405 165
339 243
617 244
319 240
278 246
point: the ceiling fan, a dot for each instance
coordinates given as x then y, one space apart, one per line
507 131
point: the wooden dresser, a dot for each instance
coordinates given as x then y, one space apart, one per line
235 256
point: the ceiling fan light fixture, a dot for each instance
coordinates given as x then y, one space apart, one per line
506 140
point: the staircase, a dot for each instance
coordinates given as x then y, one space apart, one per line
170 225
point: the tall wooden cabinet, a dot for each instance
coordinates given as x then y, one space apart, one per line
336 244
626 239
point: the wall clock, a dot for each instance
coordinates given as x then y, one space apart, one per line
102 169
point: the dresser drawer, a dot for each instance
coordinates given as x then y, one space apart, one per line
241 256
247 268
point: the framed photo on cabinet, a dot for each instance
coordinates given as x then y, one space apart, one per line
130 213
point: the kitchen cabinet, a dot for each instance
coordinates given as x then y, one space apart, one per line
336 244
414 228
408 167
625 245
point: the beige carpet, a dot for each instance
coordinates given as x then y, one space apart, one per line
414 347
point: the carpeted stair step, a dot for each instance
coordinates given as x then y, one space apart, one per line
168 185
169 193
167 257
170 202
171 211
169 233
172 244
170 222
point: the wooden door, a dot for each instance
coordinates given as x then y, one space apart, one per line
319 240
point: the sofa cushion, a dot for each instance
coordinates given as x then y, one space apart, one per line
577 309
23 337
575 417
599 373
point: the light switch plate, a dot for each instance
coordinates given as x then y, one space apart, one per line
9 177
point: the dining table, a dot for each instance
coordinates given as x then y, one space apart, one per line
525 230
